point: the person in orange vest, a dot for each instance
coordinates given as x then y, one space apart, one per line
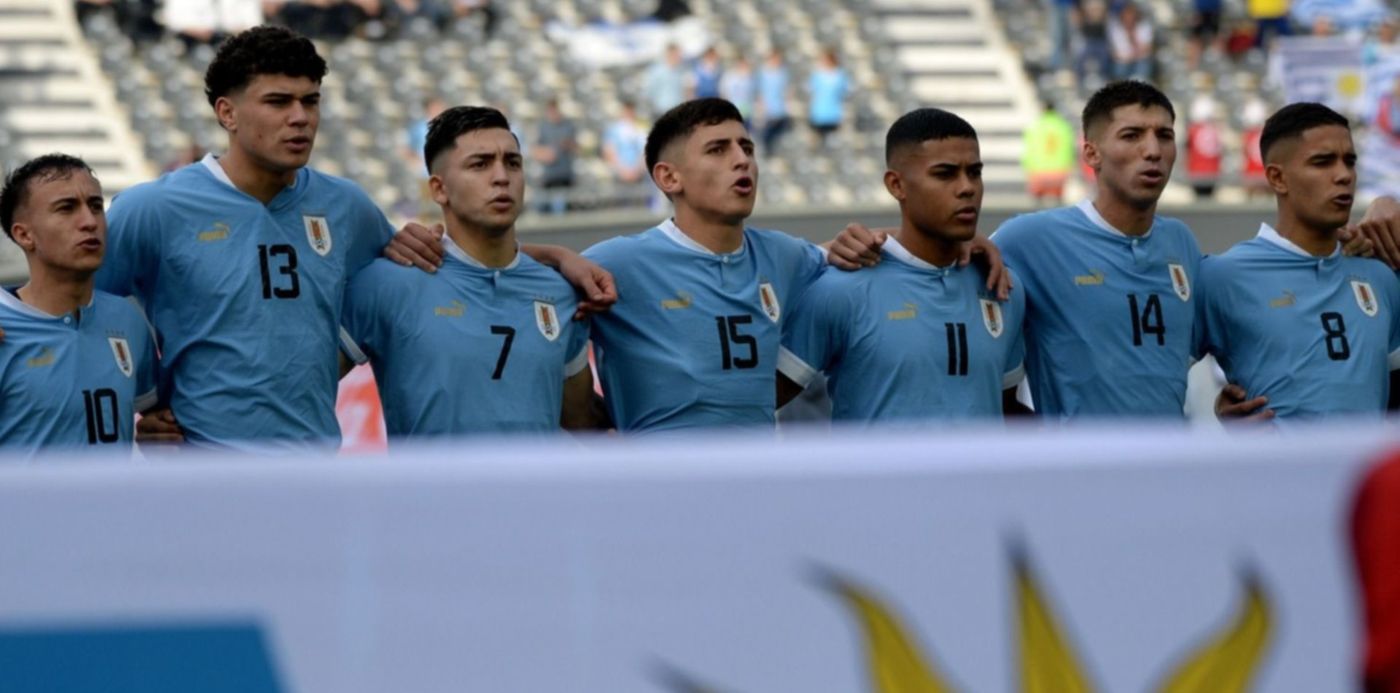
1203 147
1047 155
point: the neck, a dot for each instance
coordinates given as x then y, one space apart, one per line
493 250
55 291
940 252
717 236
1318 243
258 182
1125 217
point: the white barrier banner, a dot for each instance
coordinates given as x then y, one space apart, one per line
990 560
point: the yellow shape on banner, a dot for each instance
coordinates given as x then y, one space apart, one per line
1230 659
894 660
1349 84
1048 664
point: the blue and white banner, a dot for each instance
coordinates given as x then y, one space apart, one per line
990 560
1324 70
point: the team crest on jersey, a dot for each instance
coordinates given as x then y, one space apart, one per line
318 234
991 317
1180 281
1365 297
121 351
769 298
547 320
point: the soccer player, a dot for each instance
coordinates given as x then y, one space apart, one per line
1288 316
77 364
693 340
916 336
242 260
485 344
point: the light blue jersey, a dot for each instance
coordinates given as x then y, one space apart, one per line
906 340
1318 336
693 339
246 297
1110 318
469 349
75 379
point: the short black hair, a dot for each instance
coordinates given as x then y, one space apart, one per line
923 124
1115 95
1293 120
684 119
454 122
42 169
262 50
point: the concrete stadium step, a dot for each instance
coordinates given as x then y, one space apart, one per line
78 118
938 59
917 29
30 27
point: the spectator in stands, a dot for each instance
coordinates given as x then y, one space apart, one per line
556 144
1205 31
665 81
135 18
708 72
485 9
1061 15
1253 116
738 87
1270 19
1093 42
417 135
402 12
1048 156
211 21
1204 149
671 10
828 88
1130 36
624 146
191 153
773 100
331 19
1382 42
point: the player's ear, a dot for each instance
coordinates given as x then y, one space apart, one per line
894 183
23 236
438 189
1273 173
224 112
1090 154
666 177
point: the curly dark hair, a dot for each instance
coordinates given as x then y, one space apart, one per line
41 169
263 50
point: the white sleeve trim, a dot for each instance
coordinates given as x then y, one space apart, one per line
146 401
577 363
1013 377
1394 360
351 349
795 368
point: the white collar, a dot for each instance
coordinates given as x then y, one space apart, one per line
899 252
211 162
462 256
675 233
12 302
1268 233
1089 210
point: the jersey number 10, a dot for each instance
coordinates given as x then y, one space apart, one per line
102 415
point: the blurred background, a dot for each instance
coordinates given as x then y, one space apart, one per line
119 82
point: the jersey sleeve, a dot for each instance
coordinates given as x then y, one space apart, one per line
371 235
361 326
146 366
132 259
815 334
1393 288
578 347
1014 370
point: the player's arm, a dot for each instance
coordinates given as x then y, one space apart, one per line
1381 226
857 246
583 409
593 283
